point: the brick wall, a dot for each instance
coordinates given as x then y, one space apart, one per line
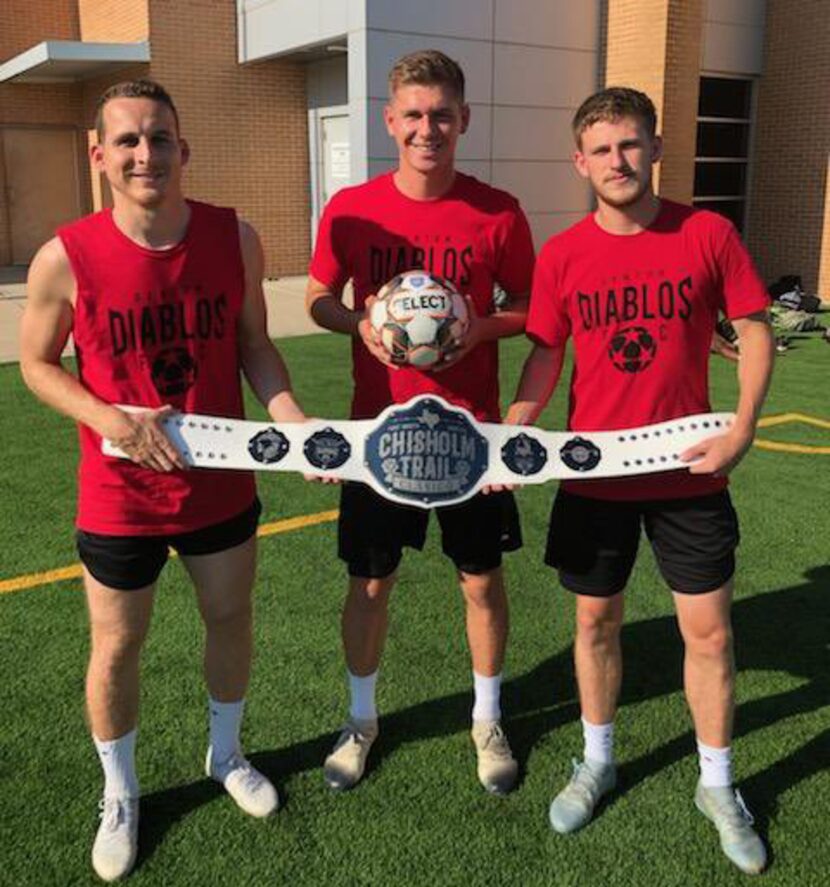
684 40
789 216
247 126
637 51
654 46
113 21
24 24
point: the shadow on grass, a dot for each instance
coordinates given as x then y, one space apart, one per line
781 631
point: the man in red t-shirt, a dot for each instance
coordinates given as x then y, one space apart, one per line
424 215
638 285
164 299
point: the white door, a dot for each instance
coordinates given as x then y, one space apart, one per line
334 143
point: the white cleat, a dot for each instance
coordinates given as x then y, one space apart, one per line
344 767
116 843
739 841
497 768
252 791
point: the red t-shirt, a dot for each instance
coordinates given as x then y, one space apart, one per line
474 235
641 310
155 327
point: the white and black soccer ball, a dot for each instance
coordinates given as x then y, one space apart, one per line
632 349
420 318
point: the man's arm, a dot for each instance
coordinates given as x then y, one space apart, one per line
507 321
327 310
540 375
262 364
720 455
44 330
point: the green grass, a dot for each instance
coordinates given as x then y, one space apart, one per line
419 817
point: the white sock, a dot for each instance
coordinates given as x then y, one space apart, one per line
225 720
362 691
599 742
715 765
117 757
487 705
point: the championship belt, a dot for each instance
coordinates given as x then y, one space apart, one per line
427 452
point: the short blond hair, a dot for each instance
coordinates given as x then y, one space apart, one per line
427 67
612 104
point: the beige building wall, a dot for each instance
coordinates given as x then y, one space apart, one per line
23 24
655 46
789 217
246 125
113 21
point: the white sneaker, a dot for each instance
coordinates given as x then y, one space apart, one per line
116 843
739 841
252 791
497 768
344 767
574 806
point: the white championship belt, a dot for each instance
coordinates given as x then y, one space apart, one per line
427 452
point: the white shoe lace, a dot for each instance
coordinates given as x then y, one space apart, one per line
243 771
351 742
748 817
495 743
583 784
114 812
732 808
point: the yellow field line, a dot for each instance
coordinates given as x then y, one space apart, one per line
32 580
781 447
297 523
784 418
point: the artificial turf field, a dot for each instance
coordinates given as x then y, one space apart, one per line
419 817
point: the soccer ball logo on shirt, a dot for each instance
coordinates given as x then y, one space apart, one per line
632 349
173 371
420 318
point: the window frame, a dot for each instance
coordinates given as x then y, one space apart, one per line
743 199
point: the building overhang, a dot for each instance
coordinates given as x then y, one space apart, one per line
68 61
314 53
296 30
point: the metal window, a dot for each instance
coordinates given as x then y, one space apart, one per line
723 144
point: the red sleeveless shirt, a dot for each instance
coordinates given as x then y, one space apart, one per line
156 327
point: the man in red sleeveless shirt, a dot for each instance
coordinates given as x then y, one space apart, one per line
638 285
163 297
424 215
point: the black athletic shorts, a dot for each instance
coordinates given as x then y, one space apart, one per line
130 562
372 531
593 542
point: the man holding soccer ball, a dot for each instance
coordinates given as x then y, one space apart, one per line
638 285
426 215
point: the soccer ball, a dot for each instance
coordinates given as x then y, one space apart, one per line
173 371
632 349
420 318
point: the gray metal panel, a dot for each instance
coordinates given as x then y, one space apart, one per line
69 60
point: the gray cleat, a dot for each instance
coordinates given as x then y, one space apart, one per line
725 807
574 806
